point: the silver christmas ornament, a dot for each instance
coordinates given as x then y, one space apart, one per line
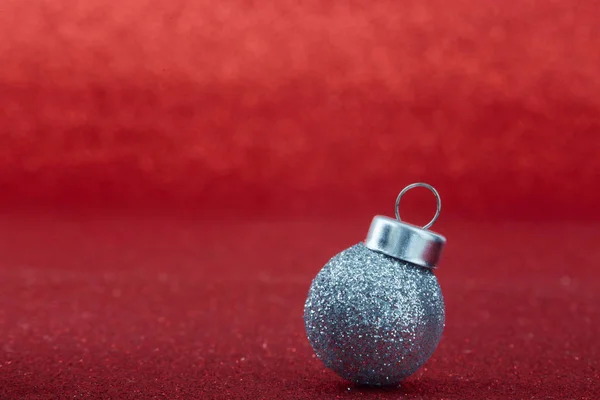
375 312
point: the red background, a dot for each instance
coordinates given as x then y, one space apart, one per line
173 175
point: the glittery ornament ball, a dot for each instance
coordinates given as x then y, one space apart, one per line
373 319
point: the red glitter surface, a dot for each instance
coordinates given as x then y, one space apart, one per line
174 174
163 307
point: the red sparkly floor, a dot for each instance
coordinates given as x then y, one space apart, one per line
113 306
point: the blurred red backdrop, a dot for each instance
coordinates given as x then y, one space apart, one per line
294 106
291 110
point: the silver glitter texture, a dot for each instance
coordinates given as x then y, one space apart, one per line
373 319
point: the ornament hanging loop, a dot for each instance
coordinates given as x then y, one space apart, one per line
427 186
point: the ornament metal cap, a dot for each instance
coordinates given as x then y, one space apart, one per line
406 242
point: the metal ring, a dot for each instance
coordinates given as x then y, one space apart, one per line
435 193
